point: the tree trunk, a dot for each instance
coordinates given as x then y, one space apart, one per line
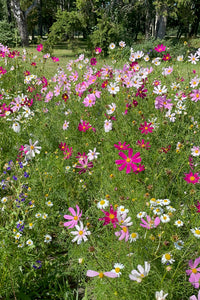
21 22
161 23
9 11
21 19
147 21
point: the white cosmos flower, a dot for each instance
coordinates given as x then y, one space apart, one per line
16 127
143 272
92 154
107 125
103 204
160 295
111 109
80 234
31 149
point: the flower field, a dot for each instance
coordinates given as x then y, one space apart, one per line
99 175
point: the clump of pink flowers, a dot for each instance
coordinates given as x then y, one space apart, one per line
194 272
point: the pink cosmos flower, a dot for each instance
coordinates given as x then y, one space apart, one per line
98 50
143 145
121 146
39 47
161 101
55 59
84 165
65 125
91 273
89 100
160 48
150 223
192 178
83 126
123 233
145 128
198 206
195 96
48 96
166 57
81 156
140 168
68 152
193 297
194 272
110 217
74 218
129 161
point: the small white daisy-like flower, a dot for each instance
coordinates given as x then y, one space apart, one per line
153 202
47 238
122 44
18 235
16 127
103 204
166 201
20 222
67 168
117 269
196 232
180 58
141 214
167 258
133 237
21 245
179 223
29 243
45 216
159 202
170 208
112 46
179 244
4 200
49 203
164 218
158 211
122 210
146 58
92 154
38 215
31 225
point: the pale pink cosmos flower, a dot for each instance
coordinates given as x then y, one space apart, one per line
80 234
74 218
195 96
65 125
195 151
150 223
194 272
193 297
91 273
123 233
89 100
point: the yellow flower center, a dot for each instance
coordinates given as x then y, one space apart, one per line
102 202
111 216
80 232
168 256
76 218
128 160
101 275
117 270
124 229
32 147
133 235
197 231
194 271
145 128
192 178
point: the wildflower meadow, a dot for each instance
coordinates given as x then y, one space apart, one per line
99 174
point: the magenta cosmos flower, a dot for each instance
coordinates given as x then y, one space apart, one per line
83 126
74 218
121 146
84 165
91 273
146 128
192 178
143 145
129 161
150 223
110 217
160 48
194 272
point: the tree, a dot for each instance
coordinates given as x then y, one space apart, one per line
21 19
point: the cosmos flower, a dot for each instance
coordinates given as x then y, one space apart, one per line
141 273
110 217
80 234
194 272
128 162
192 178
74 218
146 128
31 149
150 223
160 48
91 273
